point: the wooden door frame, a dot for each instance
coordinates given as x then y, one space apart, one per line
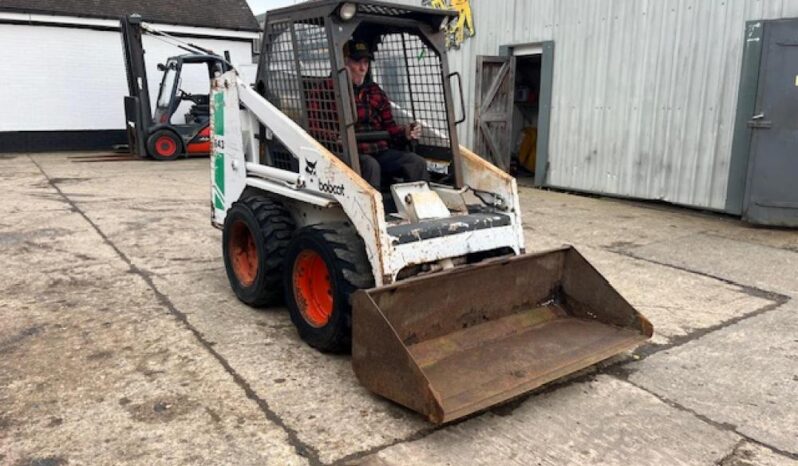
480 123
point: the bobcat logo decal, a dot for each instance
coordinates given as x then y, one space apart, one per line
310 167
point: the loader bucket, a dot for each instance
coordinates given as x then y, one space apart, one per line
451 344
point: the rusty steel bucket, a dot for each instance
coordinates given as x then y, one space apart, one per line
451 344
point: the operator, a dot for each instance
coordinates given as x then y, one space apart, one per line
378 158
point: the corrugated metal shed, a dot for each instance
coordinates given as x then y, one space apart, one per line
644 91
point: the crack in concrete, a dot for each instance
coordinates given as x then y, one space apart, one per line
302 449
753 243
726 459
776 301
644 352
353 458
747 289
734 458
504 409
717 424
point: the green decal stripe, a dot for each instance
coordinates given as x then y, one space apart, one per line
218 172
218 113
217 126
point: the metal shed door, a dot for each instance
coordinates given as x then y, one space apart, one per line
772 192
494 109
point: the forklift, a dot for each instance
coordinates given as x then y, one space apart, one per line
154 135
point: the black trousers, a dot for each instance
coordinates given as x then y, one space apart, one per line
393 163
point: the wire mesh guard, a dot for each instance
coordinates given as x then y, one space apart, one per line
410 73
299 83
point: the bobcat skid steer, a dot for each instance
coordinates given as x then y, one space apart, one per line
427 283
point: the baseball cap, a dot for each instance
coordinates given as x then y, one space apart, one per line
357 49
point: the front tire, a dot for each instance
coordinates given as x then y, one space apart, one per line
256 233
164 145
324 265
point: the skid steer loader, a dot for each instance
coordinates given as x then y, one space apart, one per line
427 283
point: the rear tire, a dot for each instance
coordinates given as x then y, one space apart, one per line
256 233
164 145
324 265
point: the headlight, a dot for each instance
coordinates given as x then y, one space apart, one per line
347 11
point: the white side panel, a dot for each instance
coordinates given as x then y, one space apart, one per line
445 247
481 175
74 79
228 164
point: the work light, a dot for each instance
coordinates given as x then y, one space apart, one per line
347 11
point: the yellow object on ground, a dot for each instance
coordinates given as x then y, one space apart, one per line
527 154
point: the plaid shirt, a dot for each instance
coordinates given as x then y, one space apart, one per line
373 114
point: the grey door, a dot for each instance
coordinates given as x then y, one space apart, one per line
772 184
494 109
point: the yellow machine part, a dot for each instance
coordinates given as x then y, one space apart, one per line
527 154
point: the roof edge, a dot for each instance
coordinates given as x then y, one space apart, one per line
91 16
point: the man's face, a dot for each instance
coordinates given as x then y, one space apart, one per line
358 69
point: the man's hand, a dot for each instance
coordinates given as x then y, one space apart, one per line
413 131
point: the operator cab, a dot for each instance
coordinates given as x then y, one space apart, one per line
303 48
407 67
185 86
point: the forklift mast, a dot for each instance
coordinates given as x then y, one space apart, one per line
137 103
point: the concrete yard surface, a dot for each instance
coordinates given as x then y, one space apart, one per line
121 341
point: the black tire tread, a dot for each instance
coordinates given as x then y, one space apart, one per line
276 228
351 254
181 150
352 261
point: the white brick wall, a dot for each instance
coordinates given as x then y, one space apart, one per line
60 78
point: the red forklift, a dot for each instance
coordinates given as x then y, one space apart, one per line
157 135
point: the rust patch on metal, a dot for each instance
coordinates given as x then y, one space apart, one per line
450 344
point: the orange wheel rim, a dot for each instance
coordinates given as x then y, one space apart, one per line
243 253
165 146
312 288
